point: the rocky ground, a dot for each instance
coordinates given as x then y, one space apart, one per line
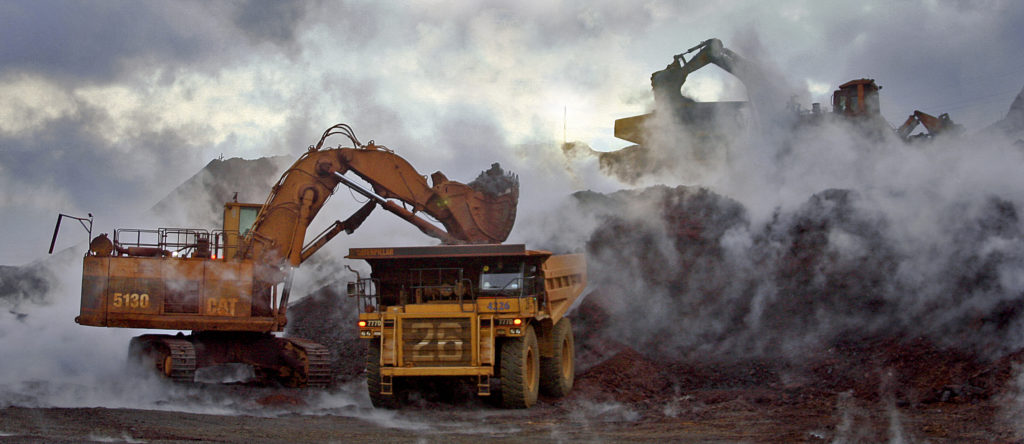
882 391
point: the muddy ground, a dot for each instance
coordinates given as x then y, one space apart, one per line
876 390
748 414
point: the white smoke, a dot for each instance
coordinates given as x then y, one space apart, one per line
805 232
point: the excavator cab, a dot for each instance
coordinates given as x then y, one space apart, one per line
238 220
857 98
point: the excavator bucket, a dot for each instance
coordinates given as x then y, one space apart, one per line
482 212
698 117
493 205
632 128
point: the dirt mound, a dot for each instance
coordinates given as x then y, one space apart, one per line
692 299
709 283
912 371
326 316
627 377
199 201
1013 122
906 372
24 284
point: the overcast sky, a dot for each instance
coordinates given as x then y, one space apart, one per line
106 106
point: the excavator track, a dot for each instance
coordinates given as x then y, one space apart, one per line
172 357
182 360
317 360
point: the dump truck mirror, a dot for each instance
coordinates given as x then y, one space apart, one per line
353 289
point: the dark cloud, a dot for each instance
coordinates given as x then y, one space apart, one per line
100 41
945 57
271 21
72 157
91 41
568 23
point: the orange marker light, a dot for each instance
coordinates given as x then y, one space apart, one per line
517 322
362 323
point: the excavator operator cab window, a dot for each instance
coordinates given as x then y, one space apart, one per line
871 105
502 278
846 103
246 217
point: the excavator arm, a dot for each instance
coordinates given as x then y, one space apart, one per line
935 125
667 85
667 82
481 212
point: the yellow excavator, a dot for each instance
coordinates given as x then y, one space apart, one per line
230 287
668 97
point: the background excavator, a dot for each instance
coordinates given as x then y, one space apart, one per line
854 101
668 98
230 287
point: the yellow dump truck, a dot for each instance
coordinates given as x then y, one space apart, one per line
468 311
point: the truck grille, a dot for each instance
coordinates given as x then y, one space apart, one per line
437 342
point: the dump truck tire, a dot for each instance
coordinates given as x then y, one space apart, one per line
520 371
557 373
373 382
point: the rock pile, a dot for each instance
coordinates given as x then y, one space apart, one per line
328 317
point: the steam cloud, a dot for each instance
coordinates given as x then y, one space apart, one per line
800 235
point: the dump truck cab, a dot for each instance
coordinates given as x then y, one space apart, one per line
472 311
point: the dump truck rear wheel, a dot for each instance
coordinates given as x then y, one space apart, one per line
557 373
373 381
520 371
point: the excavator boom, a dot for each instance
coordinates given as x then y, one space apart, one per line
473 214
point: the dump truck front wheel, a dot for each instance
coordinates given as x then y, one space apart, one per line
520 371
373 379
557 373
